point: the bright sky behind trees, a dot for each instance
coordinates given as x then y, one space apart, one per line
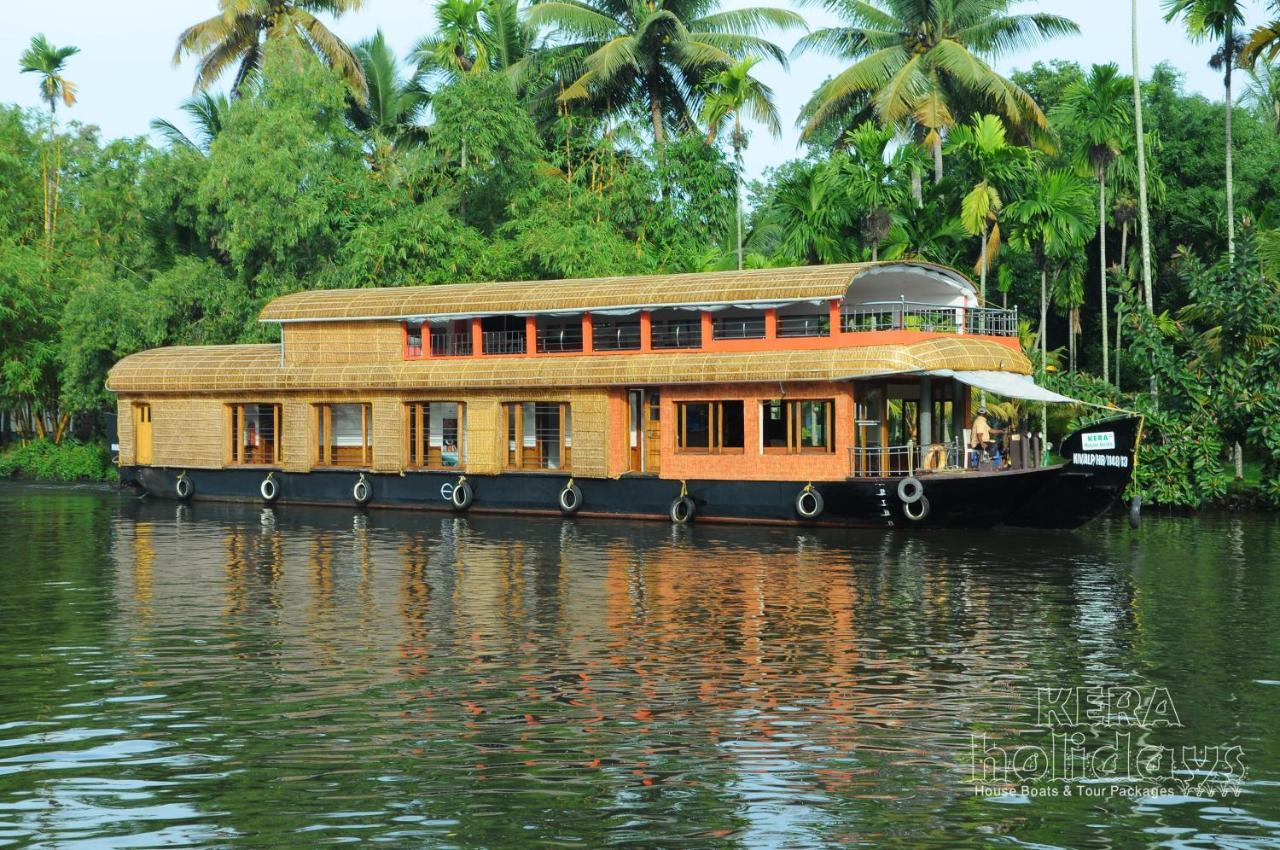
125 78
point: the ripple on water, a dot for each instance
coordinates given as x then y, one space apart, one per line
198 675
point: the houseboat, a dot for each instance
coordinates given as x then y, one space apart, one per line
840 394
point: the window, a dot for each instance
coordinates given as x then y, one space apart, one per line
503 334
615 334
709 427
810 324
560 335
436 435
793 427
738 324
255 433
538 435
676 333
344 434
450 339
413 340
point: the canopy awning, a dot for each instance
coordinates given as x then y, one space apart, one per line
1005 384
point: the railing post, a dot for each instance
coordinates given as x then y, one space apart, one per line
902 315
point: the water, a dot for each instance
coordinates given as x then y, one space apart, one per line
213 675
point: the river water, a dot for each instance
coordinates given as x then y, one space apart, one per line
216 675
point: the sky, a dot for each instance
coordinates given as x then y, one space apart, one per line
126 78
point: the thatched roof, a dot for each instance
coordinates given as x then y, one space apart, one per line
241 368
710 288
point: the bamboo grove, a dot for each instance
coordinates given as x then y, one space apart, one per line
572 138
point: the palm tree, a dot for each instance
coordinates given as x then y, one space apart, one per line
1216 20
1144 217
1263 93
874 183
459 45
50 62
729 93
916 62
1097 107
810 221
389 116
1066 289
997 162
655 54
207 113
1053 220
237 34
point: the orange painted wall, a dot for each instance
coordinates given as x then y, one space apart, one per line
752 464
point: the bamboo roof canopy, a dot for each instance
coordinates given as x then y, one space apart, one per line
514 298
240 368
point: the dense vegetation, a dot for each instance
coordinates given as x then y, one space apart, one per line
569 138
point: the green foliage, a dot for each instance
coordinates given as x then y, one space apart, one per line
43 461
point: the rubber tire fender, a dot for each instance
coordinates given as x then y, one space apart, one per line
682 510
812 497
183 487
462 496
361 493
570 499
922 504
269 490
910 490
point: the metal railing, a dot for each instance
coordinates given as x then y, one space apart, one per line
894 461
559 338
504 342
816 324
915 316
748 327
991 321
450 344
615 336
677 333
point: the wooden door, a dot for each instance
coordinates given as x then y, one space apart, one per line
142 434
635 430
652 432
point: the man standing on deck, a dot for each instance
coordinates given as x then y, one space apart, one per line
981 440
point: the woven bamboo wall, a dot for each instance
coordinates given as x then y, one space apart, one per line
190 432
254 368
332 343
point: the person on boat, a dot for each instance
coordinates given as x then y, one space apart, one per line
982 443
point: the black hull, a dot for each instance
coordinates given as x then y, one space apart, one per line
1064 496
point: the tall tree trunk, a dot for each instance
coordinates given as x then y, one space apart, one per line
1124 269
1044 315
1231 205
875 252
737 180
937 157
982 259
917 189
1072 318
1143 214
1237 453
1102 271
655 115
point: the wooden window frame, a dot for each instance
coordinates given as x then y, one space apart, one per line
424 341
792 411
325 455
415 417
715 426
513 454
235 419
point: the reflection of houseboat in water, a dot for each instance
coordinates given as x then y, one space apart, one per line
836 394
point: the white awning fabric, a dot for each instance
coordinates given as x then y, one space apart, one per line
1006 384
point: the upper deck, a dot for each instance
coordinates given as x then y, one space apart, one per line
794 309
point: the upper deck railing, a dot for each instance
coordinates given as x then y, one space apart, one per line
903 315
